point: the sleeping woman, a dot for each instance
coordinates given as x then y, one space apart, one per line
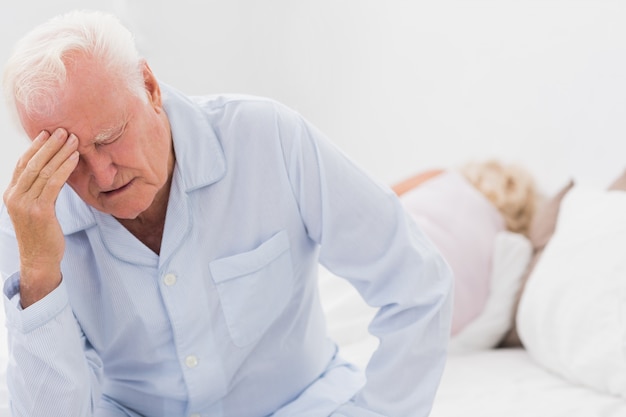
462 211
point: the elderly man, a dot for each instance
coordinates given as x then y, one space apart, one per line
160 252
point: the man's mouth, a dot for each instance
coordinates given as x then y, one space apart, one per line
118 190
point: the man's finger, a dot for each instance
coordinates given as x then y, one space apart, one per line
54 184
48 171
43 160
35 145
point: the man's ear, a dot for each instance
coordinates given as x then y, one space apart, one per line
152 86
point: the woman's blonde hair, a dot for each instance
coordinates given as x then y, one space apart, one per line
509 187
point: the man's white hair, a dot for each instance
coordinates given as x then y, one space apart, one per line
36 72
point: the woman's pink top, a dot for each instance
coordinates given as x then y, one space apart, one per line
463 224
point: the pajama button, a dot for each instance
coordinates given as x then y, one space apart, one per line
169 280
191 361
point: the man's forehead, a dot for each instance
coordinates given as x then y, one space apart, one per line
107 125
90 101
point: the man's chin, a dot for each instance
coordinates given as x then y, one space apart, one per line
124 213
127 214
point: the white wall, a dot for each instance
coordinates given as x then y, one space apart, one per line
400 85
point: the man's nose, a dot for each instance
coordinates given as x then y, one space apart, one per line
101 169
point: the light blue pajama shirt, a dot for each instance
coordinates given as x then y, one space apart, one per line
227 320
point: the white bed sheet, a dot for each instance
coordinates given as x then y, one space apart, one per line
507 383
480 383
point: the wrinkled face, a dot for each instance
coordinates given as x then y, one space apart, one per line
125 145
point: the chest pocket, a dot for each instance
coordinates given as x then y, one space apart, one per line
254 287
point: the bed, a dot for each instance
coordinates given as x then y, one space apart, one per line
508 382
558 299
489 382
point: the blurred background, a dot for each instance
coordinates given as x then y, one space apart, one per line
399 85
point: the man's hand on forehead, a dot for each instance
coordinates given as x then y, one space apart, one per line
30 199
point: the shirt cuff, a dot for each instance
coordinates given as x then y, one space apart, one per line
36 315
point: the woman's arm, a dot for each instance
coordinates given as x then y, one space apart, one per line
412 182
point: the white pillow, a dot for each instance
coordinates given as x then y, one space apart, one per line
511 255
572 316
